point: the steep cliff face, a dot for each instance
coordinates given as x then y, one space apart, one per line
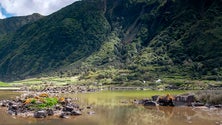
149 38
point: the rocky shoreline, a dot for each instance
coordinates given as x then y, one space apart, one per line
42 105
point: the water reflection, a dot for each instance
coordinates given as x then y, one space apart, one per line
110 111
186 115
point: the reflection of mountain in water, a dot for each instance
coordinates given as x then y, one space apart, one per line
129 115
209 113
147 117
186 115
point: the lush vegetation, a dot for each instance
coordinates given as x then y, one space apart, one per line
128 42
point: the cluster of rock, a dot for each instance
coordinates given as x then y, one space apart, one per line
28 105
168 100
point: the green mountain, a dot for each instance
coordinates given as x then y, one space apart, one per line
118 41
14 23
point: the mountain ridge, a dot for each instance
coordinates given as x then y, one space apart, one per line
13 23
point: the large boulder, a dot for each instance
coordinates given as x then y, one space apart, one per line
68 109
4 103
76 112
40 114
186 100
167 100
190 100
150 103
155 97
13 107
50 112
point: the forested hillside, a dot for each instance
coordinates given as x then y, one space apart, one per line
118 41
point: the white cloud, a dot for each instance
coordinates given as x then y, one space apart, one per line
1 16
1 13
27 7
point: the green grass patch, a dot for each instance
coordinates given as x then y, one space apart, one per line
48 102
2 84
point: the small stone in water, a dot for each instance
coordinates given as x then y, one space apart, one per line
91 112
189 122
63 115
88 107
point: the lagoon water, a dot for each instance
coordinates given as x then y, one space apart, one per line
115 108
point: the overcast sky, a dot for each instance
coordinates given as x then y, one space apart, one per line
10 8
